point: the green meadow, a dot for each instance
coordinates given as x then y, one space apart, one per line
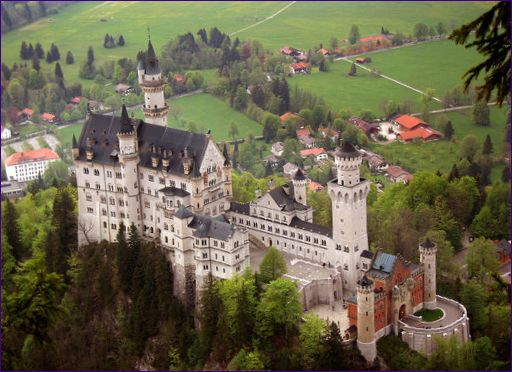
204 110
439 65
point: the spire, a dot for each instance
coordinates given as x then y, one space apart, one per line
299 175
126 126
75 144
346 150
151 52
226 155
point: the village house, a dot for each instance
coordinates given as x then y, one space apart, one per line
503 250
26 166
323 51
95 106
289 169
272 160
75 101
315 186
332 133
396 174
376 38
6 133
12 189
300 68
410 128
290 116
277 149
304 138
49 118
25 114
318 152
123 89
366 127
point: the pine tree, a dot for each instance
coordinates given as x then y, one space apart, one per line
284 93
332 350
55 257
90 56
54 52
35 63
135 261
111 42
39 50
106 39
64 221
454 173
354 35
120 41
487 147
69 58
49 58
58 72
30 51
268 169
23 50
6 18
123 260
353 69
209 313
481 114
448 130
243 319
6 72
11 229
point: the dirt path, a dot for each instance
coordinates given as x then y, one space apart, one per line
264 20
389 78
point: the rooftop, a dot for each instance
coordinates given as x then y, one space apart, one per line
409 122
31 156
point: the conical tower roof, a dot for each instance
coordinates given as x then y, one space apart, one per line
225 153
126 125
299 175
75 143
152 66
346 150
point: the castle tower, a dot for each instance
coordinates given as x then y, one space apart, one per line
428 252
366 319
150 80
129 160
300 182
348 193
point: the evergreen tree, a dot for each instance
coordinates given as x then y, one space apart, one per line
354 35
64 221
6 18
284 93
30 51
106 39
268 169
454 173
135 261
111 42
35 63
203 35
505 174
11 229
120 41
69 58
58 73
487 147
90 56
353 70
322 66
448 130
244 319
55 257
6 72
54 52
49 57
481 115
332 350
38 50
23 50
209 313
123 260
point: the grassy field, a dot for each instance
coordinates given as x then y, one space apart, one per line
304 24
206 111
439 65
441 155
354 93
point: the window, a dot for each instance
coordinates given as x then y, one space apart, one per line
161 181
98 187
113 226
87 184
104 212
111 187
103 200
345 267
104 224
324 242
121 202
90 210
88 197
205 254
205 267
112 201
86 170
183 186
356 248
109 174
122 215
222 244
112 214
151 178
147 204
120 189
346 249
119 175
96 172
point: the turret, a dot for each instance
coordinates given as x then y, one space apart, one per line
347 160
155 159
366 319
127 136
141 67
89 152
300 182
187 162
428 251
165 160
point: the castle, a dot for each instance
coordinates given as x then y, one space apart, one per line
176 188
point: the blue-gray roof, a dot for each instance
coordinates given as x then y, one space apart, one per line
384 262
183 213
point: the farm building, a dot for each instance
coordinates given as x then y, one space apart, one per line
49 118
318 152
396 174
366 127
299 68
409 128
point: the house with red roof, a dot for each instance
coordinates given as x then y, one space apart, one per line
376 38
75 100
323 51
315 186
24 115
366 127
299 68
410 128
332 133
290 116
396 174
318 152
26 166
302 132
49 118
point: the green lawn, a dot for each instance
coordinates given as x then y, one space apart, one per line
304 24
439 65
430 315
203 109
354 93
441 155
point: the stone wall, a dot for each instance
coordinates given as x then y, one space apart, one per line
423 340
321 291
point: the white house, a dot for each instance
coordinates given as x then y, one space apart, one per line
26 166
6 133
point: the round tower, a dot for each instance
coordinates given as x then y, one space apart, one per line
129 159
366 319
150 80
228 183
300 182
428 251
348 193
